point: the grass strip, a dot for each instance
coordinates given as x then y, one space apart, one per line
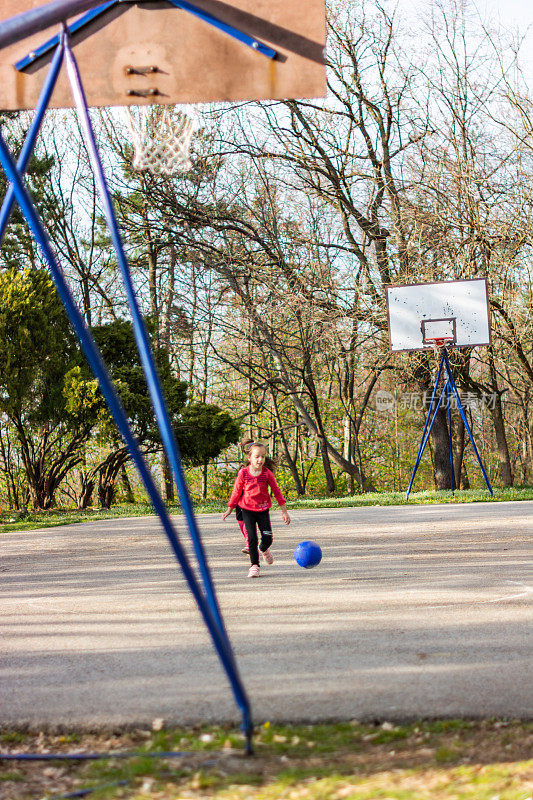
442 759
16 521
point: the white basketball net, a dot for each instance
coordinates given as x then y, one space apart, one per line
161 138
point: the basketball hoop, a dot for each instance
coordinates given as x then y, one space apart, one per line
161 138
437 342
438 333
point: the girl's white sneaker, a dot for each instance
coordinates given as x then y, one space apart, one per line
267 555
253 572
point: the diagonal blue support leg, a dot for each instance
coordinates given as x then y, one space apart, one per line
437 379
141 335
92 353
40 18
465 421
52 43
423 441
31 137
235 33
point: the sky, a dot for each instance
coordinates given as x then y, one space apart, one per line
512 14
521 10
517 11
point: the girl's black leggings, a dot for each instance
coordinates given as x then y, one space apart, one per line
254 520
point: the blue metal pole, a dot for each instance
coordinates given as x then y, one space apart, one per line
425 439
437 379
249 41
38 19
31 136
422 444
94 358
465 421
79 24
141 335
448 400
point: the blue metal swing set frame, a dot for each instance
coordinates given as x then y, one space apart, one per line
14 30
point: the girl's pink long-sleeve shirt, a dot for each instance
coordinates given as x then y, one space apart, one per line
251 491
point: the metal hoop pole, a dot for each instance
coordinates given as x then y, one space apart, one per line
437 379
38 19
426 438
450 443
235 33
422 444
49 45
141 335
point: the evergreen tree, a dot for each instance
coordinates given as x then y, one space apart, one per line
38 350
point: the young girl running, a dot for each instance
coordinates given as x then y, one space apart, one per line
251 493
271 464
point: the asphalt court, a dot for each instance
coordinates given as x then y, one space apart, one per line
414 611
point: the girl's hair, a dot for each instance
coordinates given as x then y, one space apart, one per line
246 446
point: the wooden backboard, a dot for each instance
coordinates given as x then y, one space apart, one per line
193 61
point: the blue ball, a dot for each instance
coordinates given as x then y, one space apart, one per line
308 554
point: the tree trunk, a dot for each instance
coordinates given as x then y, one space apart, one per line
204 480
348 450
501 442
526 460
458 449
129 497
441 451
328 472
41 489
167 482
7 468
300 489
86 494
321 434
45 466
108 472
106 491
499 425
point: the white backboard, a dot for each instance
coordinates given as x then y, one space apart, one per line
466 302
